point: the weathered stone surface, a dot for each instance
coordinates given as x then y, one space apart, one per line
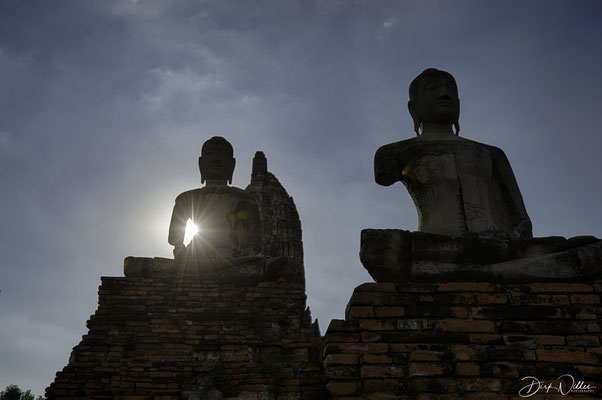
394 255
458 185
480 352
472 222
243 270
280 223
386 253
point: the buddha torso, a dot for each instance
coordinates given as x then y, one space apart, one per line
227 218
448 180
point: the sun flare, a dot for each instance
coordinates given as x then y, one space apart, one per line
191 230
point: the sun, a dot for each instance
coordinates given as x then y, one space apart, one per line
191 230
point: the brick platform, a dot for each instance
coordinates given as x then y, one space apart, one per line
465 341
165 339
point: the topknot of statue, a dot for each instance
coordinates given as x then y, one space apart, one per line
217 141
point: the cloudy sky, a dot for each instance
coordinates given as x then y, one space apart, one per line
104 106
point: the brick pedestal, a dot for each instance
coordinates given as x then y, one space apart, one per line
466 341
165 339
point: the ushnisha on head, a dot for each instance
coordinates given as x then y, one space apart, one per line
434 103
217 162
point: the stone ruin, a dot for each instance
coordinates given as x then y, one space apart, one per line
468 307
227 326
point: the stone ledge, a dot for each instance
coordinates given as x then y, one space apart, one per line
393 255
244 270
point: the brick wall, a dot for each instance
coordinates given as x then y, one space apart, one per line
465 340
159 338
166 339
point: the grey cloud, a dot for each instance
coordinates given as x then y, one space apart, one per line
104 106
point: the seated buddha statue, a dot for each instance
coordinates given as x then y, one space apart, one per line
457 185
472 222
226 218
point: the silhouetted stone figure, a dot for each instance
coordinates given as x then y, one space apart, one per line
472 223
244 236
458 185
227 217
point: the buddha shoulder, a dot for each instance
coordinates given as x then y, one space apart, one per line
396 147
215 190
187 195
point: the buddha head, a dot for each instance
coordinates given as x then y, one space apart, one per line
434 99
217 162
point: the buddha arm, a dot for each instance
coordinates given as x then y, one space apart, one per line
177 226
521 224
386 165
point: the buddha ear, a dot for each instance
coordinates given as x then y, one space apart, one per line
201 170
457 121
415 118
231 170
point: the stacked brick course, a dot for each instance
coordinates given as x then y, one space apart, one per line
465 340
172 339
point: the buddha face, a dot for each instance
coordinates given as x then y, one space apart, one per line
216 161
436 99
